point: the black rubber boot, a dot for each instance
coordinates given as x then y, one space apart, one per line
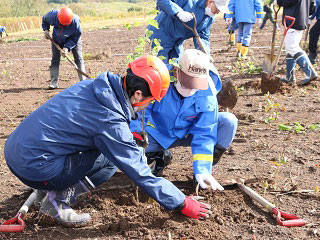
218 152
158 161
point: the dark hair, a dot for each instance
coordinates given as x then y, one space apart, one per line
134 83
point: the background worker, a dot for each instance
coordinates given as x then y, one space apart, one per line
232 27
268 9
247 13
172 33
188 116
2 30
300 10
77 140
314 34
67 34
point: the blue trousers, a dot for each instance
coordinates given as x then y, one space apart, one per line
78 165
244 33
227 127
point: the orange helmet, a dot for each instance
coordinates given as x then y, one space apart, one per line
155 72
65 16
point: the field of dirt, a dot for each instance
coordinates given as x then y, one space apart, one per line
117 211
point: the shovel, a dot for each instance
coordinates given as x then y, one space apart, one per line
290 220
269 82
16 224
68 58
269 59
228 95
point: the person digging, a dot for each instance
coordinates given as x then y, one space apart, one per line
188 116
77 140
301 11
67 34
2 31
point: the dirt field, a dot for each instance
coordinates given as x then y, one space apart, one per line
116 212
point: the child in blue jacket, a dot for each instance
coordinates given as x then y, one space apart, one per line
188 116
246 12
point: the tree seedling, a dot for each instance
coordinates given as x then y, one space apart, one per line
282 160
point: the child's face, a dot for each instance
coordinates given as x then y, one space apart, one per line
214 9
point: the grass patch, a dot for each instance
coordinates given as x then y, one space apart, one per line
21 39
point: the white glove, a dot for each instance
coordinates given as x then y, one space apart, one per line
46 34
65 50
206 180
184 16
228 21
259 20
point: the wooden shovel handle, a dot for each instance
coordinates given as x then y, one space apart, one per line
195 33
67 56
292 19
273 42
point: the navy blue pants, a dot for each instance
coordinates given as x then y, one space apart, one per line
91 163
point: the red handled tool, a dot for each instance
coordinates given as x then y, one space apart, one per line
16 224
290 220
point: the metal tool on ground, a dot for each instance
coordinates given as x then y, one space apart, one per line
290 220
228 96
66 55
269 59
269 82
16 224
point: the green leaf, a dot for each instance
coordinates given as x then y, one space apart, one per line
283 127
153 23
148 33
127 26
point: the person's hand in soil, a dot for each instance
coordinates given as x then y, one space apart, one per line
206 181
195 209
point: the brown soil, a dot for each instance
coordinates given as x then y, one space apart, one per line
118 212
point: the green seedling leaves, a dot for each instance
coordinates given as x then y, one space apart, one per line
153 23
314 126
298 128
283 127
128 26
148 34
153 12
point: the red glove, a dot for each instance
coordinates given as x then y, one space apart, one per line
141 139
195 209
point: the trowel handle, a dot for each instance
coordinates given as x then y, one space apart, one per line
255 196
289 18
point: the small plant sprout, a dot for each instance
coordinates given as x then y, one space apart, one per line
282 160
284 127
173 62
298 128
145 44
272 108
313 127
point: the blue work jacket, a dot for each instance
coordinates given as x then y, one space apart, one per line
92 114
175 117
317 11
245 11
172 33
2 29
65 36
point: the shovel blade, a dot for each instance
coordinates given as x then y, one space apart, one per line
268 63
269 83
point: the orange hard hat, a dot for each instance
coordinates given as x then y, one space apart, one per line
155 72
65 16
